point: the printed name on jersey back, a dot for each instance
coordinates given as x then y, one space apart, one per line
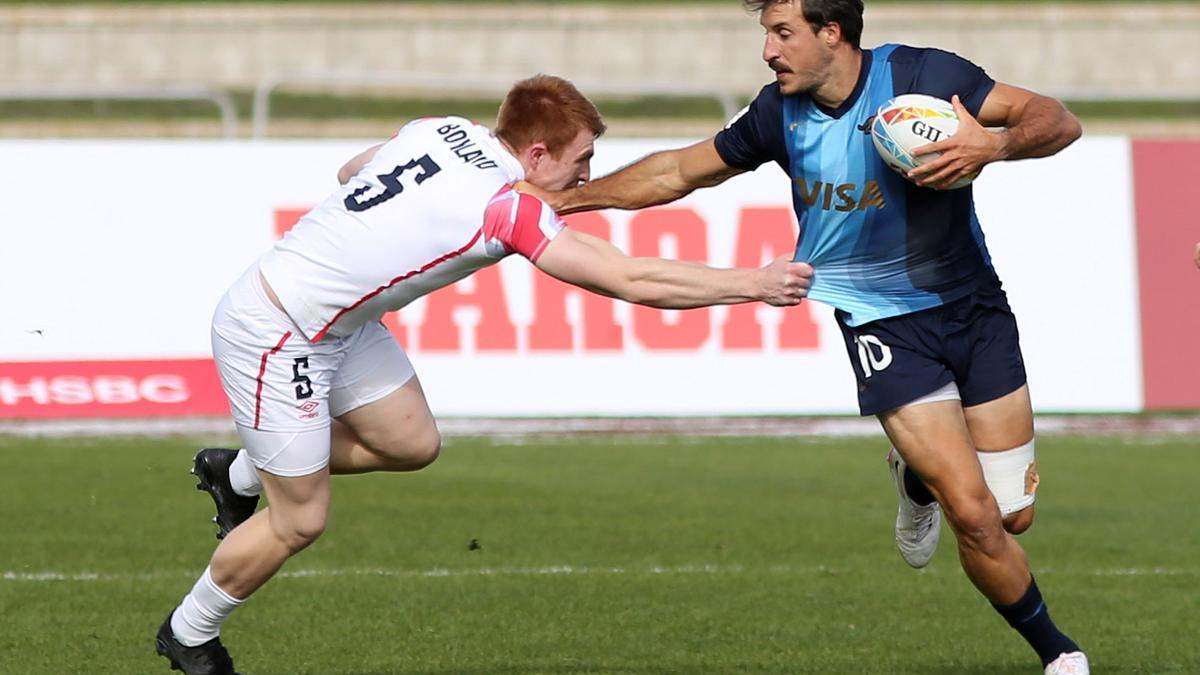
463 147
520 222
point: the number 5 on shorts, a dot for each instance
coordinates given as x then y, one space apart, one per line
303 384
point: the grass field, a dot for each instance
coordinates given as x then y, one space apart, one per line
287 105
598 556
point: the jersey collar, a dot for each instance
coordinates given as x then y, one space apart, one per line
507 159
864 71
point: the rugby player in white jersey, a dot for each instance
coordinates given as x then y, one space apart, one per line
318 385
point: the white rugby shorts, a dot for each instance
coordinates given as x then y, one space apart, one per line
281 385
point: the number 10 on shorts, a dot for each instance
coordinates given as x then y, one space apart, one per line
873 355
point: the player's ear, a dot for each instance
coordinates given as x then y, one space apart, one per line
832 34
536 154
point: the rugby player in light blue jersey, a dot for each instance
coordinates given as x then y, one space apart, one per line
927 327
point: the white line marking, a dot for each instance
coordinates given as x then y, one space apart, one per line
1142 572
517 429
553 570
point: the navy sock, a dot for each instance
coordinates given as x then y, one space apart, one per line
916 489
1031 619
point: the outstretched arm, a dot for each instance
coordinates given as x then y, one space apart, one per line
656 179
596 265
1031 126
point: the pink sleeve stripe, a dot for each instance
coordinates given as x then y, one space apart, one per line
515 220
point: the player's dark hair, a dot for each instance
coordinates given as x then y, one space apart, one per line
818 13
546 109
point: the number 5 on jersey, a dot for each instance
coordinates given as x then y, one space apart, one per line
392 186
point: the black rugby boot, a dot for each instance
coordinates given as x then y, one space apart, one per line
212 468
210 658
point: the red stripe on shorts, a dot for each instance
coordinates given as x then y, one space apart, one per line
262 369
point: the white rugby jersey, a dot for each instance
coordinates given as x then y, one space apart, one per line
432 206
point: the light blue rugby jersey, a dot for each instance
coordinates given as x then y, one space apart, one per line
879 245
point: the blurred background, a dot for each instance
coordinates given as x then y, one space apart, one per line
327 69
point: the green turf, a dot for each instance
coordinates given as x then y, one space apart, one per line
606 556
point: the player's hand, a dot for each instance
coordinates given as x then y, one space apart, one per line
963 155
1196 255
785 283
531 189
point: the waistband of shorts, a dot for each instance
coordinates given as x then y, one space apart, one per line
255 283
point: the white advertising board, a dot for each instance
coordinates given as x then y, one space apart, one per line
121 249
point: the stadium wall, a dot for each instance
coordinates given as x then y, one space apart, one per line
119 250
1067 49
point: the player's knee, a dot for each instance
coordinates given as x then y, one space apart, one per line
305 532
412 451
424 448
1018 522
977 524
298 530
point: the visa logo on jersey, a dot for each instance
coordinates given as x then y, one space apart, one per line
841 197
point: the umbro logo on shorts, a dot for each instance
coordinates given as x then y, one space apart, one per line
308 409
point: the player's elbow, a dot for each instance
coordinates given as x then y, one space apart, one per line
1072 128
639 294
646 292
344 175
1069 128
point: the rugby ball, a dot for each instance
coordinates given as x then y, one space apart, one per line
909 121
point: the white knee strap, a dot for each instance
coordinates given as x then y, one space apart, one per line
1011 476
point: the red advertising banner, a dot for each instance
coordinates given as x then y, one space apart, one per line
63 389
1164 175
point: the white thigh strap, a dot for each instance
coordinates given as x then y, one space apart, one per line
1011 476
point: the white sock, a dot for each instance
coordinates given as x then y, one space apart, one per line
199 617
243 476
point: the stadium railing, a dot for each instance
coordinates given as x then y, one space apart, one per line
222 99
261 107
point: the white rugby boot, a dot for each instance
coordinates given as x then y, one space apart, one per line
917 527
1072 663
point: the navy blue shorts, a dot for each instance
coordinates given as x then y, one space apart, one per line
971 341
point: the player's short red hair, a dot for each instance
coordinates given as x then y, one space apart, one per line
546 109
